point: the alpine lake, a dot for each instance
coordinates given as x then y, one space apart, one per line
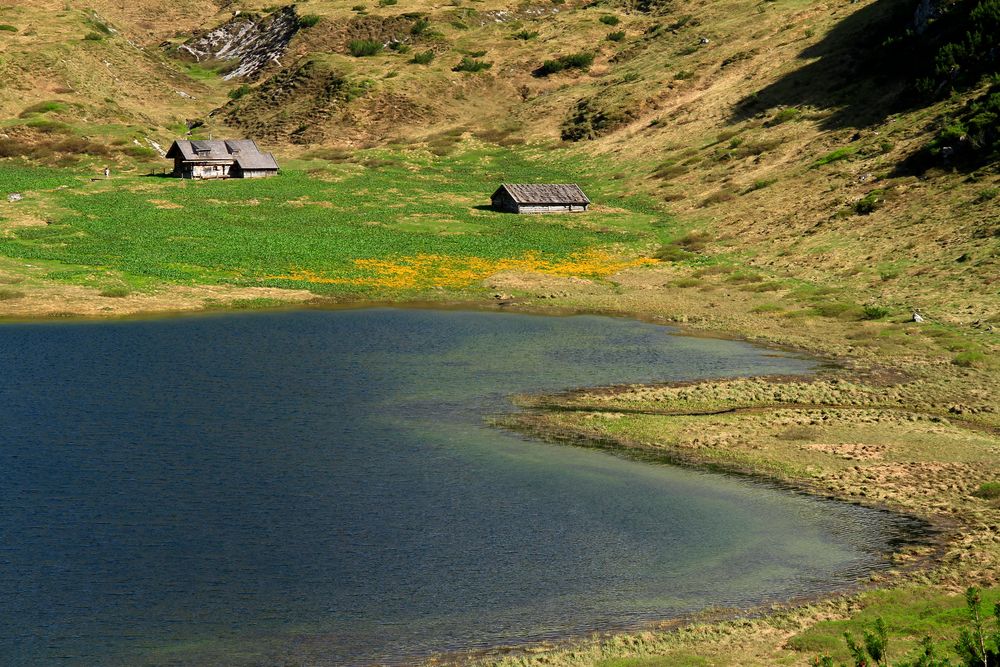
321 488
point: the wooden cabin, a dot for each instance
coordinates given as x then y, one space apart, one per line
229 158
540 198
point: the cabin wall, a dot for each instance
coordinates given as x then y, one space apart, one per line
201 170
551 208
504 202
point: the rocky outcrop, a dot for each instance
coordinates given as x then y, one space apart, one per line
248 42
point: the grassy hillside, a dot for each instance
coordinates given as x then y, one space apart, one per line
787 134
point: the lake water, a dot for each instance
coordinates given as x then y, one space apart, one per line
318 488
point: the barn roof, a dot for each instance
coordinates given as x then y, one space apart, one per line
242 151
542 193
256 161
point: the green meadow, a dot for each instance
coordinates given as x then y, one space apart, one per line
375 221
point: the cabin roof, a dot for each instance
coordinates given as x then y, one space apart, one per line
241 151
256 161
544 193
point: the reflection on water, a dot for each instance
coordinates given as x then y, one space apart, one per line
318 487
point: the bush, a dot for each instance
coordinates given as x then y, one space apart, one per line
237 93
989 194
467 64
420 26
525 35
616 36
94 37
387 3
360 48
4 27
609 19
969 359
116 292
783 116
422 58
582 60
874 312
988 491
870 203
308 21
42 107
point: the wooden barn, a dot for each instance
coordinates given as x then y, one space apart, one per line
540 198
229 158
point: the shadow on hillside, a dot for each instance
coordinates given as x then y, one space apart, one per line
853 75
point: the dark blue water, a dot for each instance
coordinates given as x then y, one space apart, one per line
318 488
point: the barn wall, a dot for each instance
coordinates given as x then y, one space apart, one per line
551 208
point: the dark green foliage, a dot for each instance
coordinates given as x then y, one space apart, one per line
42 107
785 115
582 60
360 48
93 37
616 36
237 93
525 35
467 64
869 203
420 26
4 27
610 19
309 20
476 54
977 646
387 3
874 312
422 58
988 491
972 137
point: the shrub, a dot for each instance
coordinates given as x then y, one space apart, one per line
116 292
387 3
360 48
582 60
308 21
525 35
237 93
969 359
476 54
4 27
988 491
609 19
467 64
718 197
616 36
784 116
420 26
422 58
874 312
870 203
835 156
989 194
42 107
93 37
672 253
760 184
684 74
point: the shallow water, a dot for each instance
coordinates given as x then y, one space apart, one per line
319 487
